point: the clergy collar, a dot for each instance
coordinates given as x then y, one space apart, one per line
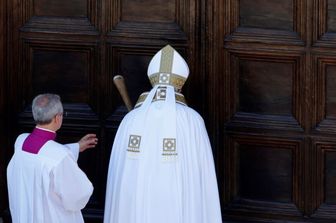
44 129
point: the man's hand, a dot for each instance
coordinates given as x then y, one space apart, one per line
88 141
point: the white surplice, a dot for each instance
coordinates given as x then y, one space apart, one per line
47 187
144 186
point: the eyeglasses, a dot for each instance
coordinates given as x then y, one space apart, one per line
63 114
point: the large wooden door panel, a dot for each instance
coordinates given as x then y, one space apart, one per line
323 202
265 176
266 86
69 69
3 108
277 118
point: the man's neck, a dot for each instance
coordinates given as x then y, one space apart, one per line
45 129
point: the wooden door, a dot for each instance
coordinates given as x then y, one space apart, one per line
262 76
74 48
272 93
3 138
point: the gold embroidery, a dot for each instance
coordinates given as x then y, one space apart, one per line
168 78
160 95
134 143
169 147
167 58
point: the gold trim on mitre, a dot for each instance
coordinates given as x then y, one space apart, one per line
167 79
167 58
160 95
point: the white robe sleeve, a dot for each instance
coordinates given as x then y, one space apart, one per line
71 185
74 148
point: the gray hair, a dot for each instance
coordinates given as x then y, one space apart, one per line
45 107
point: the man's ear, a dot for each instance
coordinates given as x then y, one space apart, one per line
56 118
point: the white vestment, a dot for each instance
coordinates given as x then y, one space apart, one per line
47 187
147 187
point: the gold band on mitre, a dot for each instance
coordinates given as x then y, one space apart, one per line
160 95
174 80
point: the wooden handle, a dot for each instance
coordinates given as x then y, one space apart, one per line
120 84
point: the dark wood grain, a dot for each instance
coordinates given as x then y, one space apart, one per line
261 14
272 99
147 11
61 8
3 110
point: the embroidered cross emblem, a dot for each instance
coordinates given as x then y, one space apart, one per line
161 93
134 143
164 78
169 145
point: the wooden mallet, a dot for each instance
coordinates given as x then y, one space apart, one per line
120 84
